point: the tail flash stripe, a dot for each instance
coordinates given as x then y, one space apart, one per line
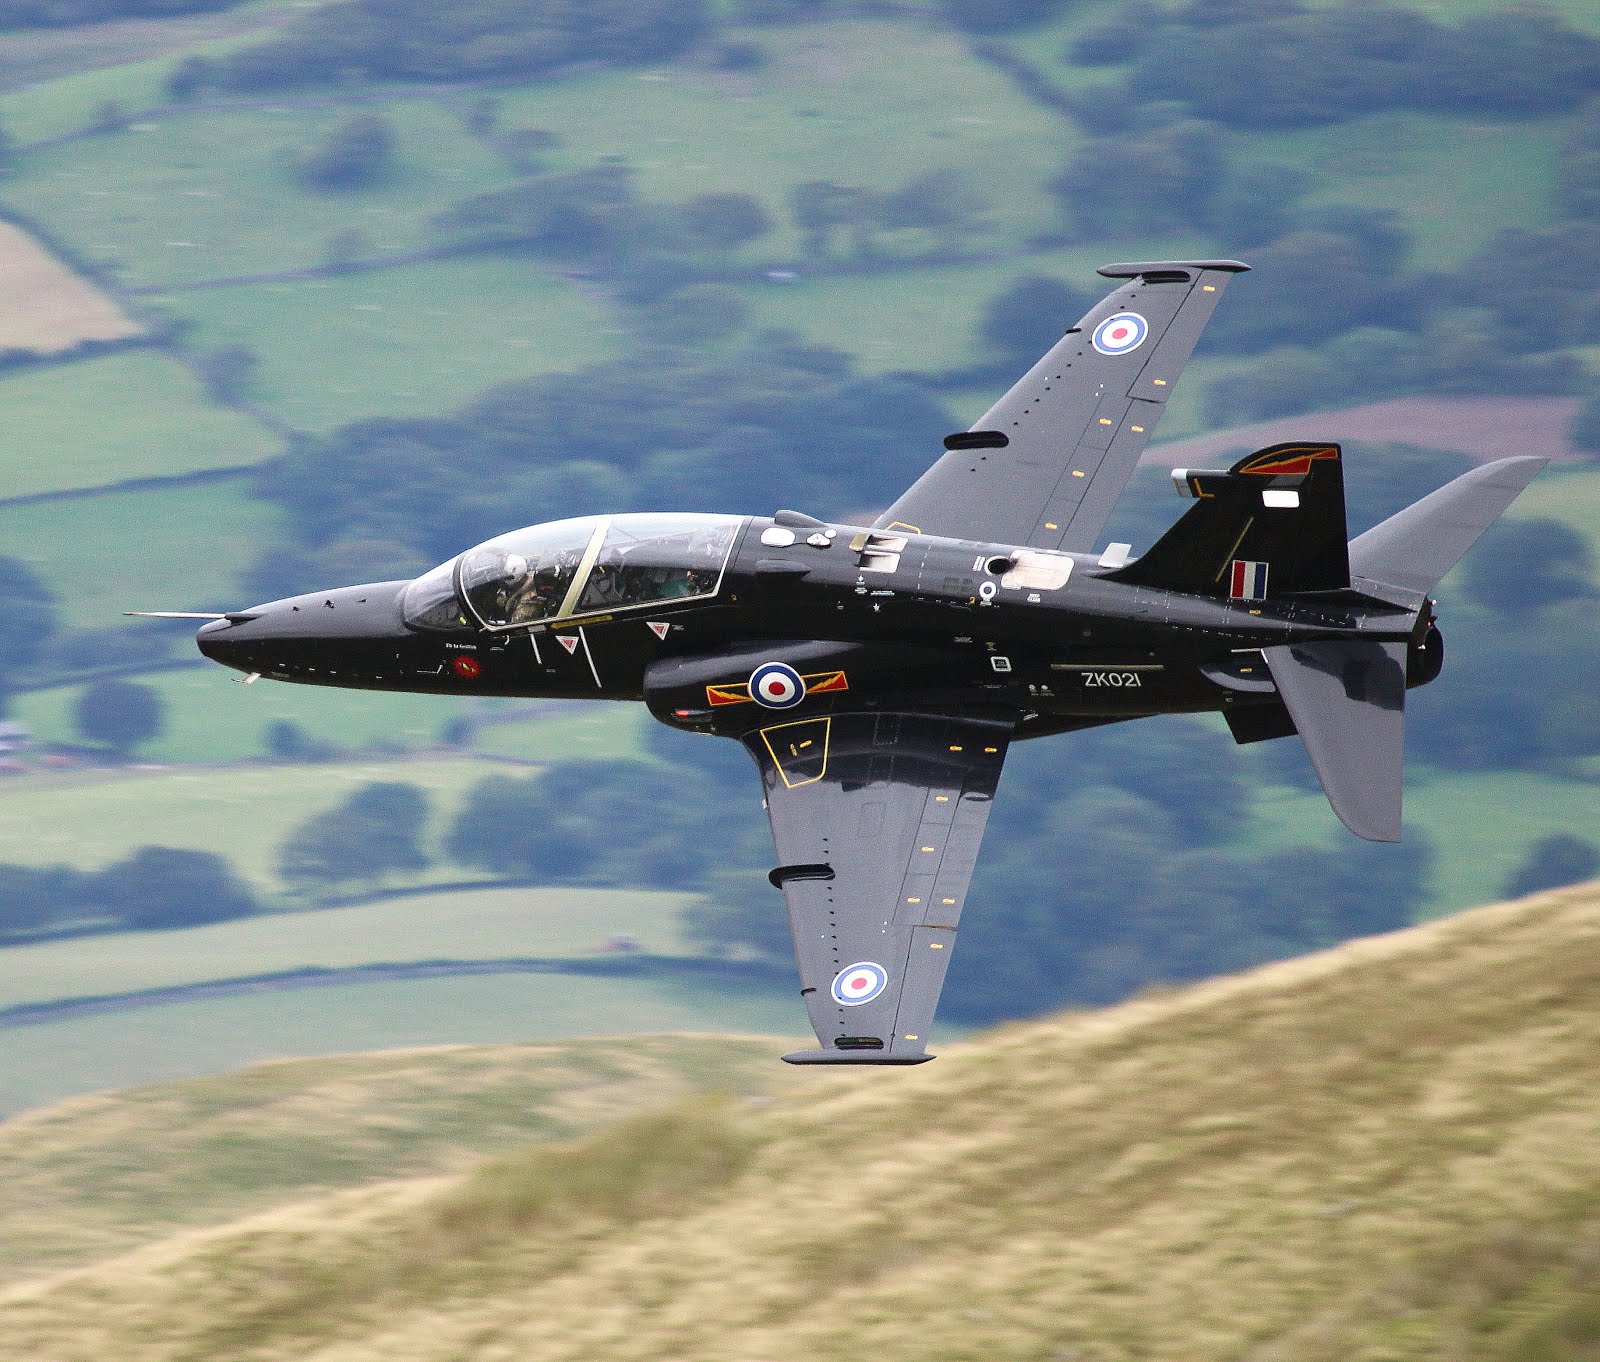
1290 462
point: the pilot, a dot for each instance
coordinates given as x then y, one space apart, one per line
528 593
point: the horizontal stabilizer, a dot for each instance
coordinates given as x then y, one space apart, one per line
1416 547
1347 699
853 1057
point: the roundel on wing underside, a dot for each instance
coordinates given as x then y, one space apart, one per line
859 983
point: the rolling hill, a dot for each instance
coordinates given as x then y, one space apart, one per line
1381 1152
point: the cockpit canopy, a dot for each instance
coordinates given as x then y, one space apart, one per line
575 567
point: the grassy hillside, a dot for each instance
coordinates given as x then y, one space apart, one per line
1383 1152
82 1181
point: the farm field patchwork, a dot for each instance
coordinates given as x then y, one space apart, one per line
157 548
209 717
1454 183
215 193
64 75
45 1063
856 101
456 924
207 720
91 819
138 414
412 341
926 319
1480 826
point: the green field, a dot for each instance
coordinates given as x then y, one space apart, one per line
82 69
480 924
1480 825
926 319
215 194
860 102
45 1063
137 414
244 812
1454 182
415 341
211 717
160 548
562 731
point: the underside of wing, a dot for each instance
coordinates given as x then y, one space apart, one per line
877 819
1045 465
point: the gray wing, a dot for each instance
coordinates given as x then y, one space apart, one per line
877 820
1045 465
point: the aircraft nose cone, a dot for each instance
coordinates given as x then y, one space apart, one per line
212 640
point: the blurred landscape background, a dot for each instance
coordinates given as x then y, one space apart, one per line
295 294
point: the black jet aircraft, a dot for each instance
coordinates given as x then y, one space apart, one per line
878 673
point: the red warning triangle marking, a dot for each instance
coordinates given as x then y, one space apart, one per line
568 641
659 630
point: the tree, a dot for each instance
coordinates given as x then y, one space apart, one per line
188 78
1153 176
160 887
940 202
998 16
375 833
345 247
355 154
27 614
1030 315
724 222
227 371
33 898
1586 425
1552 862
820 208
109 116
1528 565
120 714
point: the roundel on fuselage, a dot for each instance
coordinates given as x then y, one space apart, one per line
777 686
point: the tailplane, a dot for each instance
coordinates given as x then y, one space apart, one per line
1347 699
1416 547
1273 524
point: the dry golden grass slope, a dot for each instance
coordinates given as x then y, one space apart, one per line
1384 1153
98 1175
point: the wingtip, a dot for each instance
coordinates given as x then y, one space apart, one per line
1134 269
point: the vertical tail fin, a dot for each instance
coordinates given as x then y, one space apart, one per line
1272 524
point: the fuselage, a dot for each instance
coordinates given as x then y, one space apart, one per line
685 620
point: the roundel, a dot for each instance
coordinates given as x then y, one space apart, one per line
468 667
777 686
859 983
1119 334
